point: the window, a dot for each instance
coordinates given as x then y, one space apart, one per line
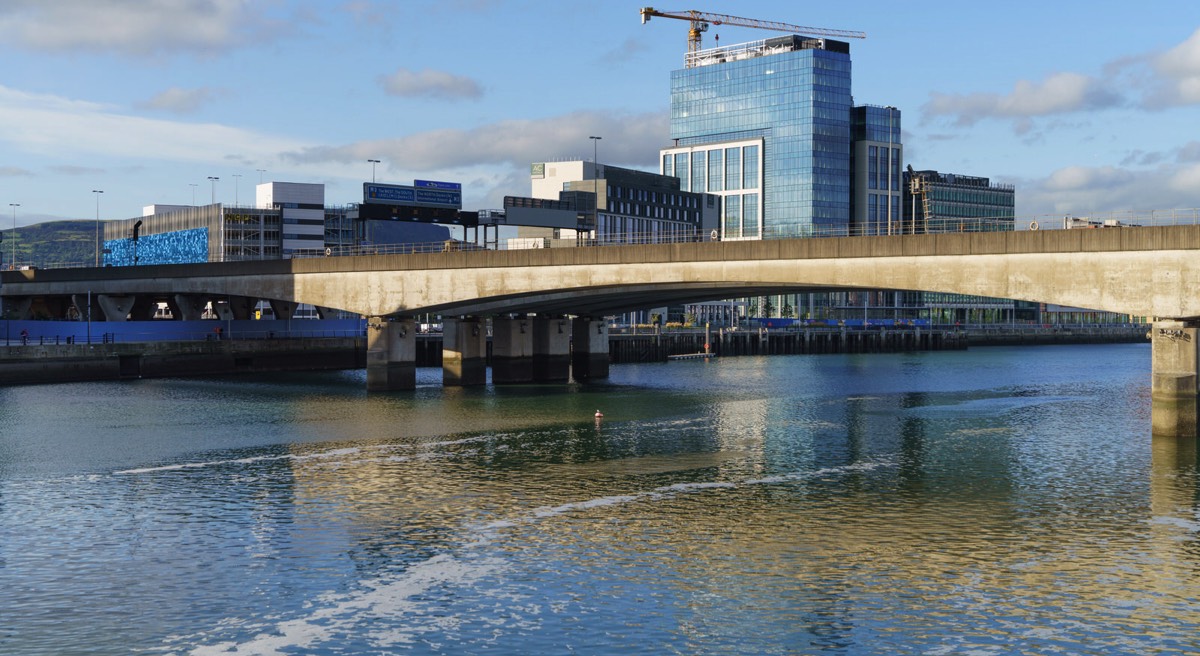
750 167
733 216
733 166
716 170
699 174
681 169
750 215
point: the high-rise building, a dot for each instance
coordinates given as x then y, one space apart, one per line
766 125
876 162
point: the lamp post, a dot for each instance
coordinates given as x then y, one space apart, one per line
236 180
596 187
260 172
97 192
193 186
13 236
373 163
212 180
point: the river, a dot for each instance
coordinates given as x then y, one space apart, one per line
990 501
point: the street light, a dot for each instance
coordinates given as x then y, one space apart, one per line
595 188
373 163
97 192
260 172
193 186
13 236
236 177
212 180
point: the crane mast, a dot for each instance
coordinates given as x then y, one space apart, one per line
700 20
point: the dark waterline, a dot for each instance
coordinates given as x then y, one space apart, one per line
991 501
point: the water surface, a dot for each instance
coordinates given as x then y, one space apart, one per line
992 501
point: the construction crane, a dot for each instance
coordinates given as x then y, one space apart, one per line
700 21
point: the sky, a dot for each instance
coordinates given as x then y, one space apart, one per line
1085 107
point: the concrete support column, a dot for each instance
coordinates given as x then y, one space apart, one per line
391 355
464 352
551 349
116 308
235 308
18 308
143 309
1174 388
283 309
512 350
589 349
186 307
80 301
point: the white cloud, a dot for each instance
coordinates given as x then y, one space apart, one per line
1082 191
181 101
430 84
131 27
51 125
634 141
1060 93
14 172
1177 76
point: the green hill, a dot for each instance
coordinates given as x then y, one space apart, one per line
51 244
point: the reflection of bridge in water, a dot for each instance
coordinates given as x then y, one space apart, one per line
1153 272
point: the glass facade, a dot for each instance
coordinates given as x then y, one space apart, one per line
731 170
948 202
876 159
796 98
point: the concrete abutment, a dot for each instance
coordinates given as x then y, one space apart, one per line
589 349
464 352
1175 387
551 349
512 350
391 355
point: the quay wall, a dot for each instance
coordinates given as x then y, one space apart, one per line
52 362
56 363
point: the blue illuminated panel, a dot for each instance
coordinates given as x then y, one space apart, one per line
179 247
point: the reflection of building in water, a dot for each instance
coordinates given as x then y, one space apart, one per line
925 494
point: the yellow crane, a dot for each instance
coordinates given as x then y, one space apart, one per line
700 21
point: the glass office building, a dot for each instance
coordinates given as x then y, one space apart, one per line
876 162
766 125
952 202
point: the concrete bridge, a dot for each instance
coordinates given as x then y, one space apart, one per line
1143 271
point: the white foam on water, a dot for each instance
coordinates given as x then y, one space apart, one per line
243 461
406 619
304 457
349 613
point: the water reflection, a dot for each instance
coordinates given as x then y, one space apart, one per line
951 503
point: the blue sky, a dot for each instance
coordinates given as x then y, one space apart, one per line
1086 107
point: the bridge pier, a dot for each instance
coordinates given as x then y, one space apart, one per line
283 309
512 350
464 352
115 308
1174 388
80 301
391 355
187 307
235 308
589 349
551 349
